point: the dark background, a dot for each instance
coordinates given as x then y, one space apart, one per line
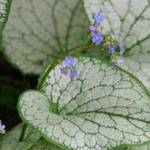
12 84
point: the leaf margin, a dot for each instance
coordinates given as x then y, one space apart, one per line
8 8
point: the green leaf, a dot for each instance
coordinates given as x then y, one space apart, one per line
31 141
130 18
101 108
142 147
43 145
38 30
11 139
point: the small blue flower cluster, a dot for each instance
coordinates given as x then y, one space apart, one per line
113 48
110 42
2 128
97 38
68 67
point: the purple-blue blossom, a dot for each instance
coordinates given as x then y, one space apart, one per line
73 73
2 128
64 71
118 61
99 17
97 38
115 35
112 49
114 62
69 61
93 27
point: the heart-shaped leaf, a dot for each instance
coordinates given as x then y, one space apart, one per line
130 18
100 108
38 30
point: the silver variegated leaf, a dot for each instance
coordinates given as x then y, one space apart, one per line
101 108
138 63
38 30
130 18
4 11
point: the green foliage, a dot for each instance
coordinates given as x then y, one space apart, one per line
11 139
142 147
44 145
31 141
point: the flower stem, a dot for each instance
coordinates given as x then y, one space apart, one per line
22 132
31 144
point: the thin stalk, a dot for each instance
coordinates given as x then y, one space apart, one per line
22 132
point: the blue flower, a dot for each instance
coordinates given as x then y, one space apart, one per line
93 27
99 17
2 128
113 62
112 49
69 61
64 71
97 38
73 73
